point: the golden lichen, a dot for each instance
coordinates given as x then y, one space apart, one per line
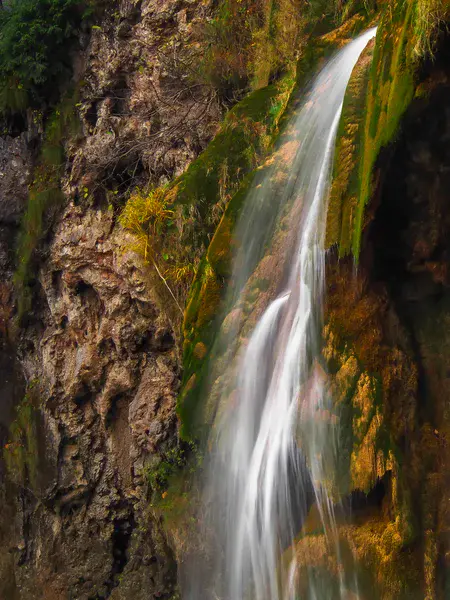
343 382
371 547
367 464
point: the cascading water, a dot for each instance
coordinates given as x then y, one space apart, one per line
274 446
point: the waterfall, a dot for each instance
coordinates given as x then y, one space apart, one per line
274 443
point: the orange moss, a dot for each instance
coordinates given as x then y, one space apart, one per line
356 313
200 350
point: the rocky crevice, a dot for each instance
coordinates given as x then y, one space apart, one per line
120 543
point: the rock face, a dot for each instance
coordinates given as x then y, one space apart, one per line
99 351
145 110
105 366
16 162
105 361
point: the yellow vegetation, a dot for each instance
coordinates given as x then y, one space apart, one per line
372 547
146 211
430 15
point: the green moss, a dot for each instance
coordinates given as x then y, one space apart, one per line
20 453
203 310
239 145
344 188
44 193
376 115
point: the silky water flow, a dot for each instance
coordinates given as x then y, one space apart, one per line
274 445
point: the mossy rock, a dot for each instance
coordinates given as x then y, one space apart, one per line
21 452
374 387
242 140
375 103
366 557
44 193
343 193
364 452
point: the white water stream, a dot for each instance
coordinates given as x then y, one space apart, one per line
273 454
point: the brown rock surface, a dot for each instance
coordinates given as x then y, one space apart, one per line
98 345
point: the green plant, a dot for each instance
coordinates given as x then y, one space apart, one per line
34 37
227 40
249 42
149 216
322 13
13 96
430 15
147 211
171 463
21 451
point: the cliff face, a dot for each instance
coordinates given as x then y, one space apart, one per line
99 358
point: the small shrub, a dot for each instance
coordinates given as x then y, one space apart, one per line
430 16
331 14
181 272
250 41
147 210
151 218
228 38
171 463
